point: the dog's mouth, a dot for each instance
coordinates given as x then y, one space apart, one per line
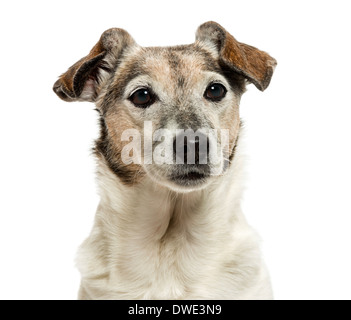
190 178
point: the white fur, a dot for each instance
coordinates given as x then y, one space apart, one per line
149 242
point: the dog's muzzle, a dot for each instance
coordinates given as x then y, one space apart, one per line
191 150
191 158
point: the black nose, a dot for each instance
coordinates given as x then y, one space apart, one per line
191 148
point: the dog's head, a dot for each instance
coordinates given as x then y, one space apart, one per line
168 113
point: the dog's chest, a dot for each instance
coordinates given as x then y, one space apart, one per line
169 258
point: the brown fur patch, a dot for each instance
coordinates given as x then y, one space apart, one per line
231 120
70 85
109 147
255 65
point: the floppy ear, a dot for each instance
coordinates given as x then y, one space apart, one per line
255 65
81 81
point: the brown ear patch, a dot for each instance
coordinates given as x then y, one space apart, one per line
255 65
71 84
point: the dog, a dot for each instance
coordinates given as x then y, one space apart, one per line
169 230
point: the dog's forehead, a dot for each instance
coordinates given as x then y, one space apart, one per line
181 58
168 63
177 57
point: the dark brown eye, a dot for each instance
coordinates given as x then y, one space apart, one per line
215 92
142 98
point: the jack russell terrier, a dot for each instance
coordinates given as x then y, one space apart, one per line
169 224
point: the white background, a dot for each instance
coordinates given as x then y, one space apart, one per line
298 136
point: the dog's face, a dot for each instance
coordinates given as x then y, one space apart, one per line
173 89
180 104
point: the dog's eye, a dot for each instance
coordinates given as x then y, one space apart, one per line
215 92
142 98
